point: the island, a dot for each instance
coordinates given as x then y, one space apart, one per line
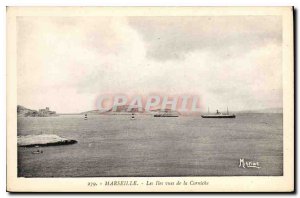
43 140
129 110
23 111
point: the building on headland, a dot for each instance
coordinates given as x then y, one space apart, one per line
23 111
46 112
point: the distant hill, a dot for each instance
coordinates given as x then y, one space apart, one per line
92 112
127 108
168 111
123 109
267 110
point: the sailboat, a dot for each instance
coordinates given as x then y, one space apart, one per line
218 114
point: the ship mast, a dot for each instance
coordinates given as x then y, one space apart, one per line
227 111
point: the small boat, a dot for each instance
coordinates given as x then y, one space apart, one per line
37 151
85 116
218 115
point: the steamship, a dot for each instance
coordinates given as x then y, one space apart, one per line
218 114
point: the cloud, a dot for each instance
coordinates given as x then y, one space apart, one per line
172 37
66 62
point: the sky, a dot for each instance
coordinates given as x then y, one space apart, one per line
65 63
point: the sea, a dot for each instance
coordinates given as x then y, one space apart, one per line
116 145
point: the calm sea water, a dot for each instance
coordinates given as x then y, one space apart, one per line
148 146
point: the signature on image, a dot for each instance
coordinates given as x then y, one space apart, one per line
248 164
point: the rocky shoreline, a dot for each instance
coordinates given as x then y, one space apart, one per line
43 140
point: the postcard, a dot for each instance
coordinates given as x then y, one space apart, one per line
150 99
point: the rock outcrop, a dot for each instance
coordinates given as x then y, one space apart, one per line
43 140
23 111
